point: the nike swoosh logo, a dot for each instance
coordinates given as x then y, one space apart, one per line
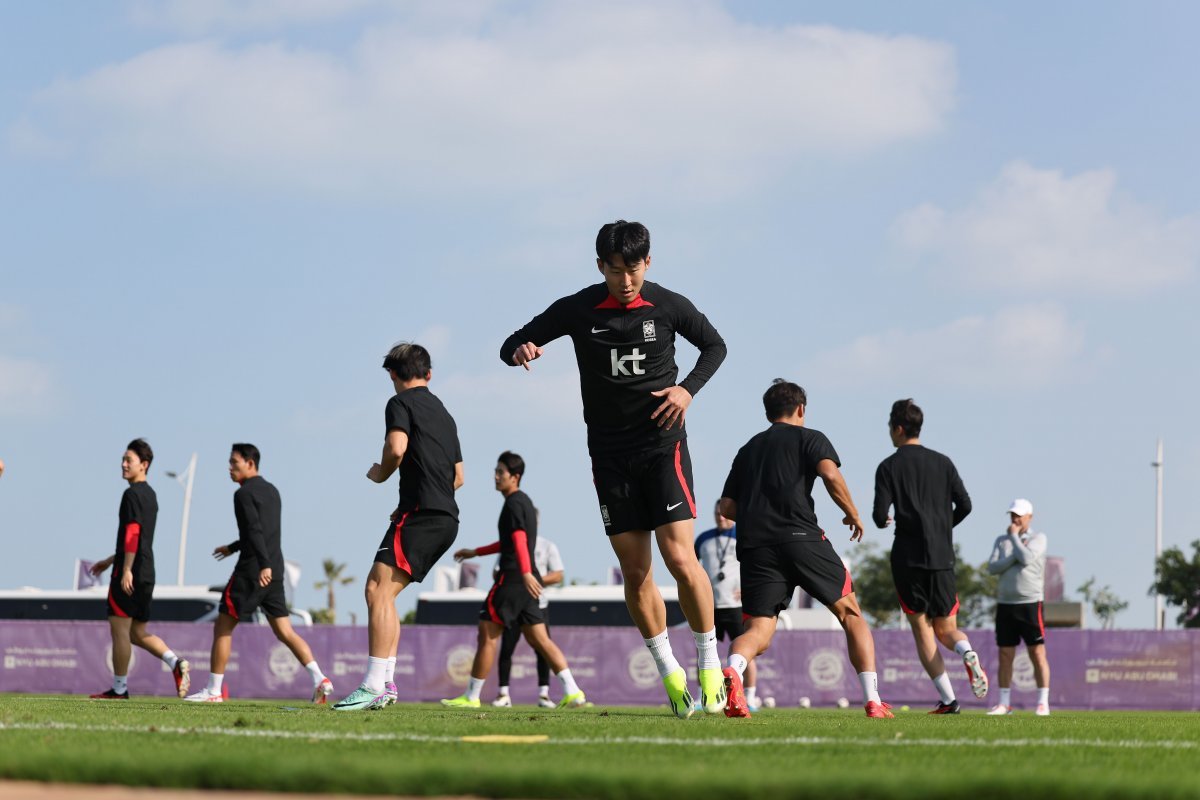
599 330
677 505
380 550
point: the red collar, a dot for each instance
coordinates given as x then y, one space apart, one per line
637 302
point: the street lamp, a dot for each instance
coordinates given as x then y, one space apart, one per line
190 475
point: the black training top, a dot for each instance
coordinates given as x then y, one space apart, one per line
138 504
427 469
929 499
518 514
771 481
625 353
258 509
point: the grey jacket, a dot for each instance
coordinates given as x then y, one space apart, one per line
1020 561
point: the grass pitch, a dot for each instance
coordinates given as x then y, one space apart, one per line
617 752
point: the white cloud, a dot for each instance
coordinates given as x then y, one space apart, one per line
1038 229
677 95
198 18
25 386
1035 342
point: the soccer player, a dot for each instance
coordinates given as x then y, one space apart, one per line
929 500
132 585
716 550
624 330
781 546
513 599
257 580
1019 558
421 442
549 565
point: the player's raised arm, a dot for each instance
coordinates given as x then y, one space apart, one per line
525 345
695 327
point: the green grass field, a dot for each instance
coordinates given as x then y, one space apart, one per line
617 752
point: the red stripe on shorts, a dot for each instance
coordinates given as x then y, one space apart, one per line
848 586
1041 622
491 609
401 561
117 612
954 610
903 607
687 493
229 599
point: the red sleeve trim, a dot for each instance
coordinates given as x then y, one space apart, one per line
133 532
488 549
521 541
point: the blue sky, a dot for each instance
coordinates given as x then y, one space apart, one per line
216 217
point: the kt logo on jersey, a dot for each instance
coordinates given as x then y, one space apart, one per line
627 365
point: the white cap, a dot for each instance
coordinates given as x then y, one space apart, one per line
1020 507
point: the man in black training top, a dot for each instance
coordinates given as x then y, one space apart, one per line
623 330
929 500
780 545
257 580
421 441
513 599
132 585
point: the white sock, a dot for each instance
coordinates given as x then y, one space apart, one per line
502 691
962 647
315 673
1006 696
1044 696
568 682
170 659
751 693
544 690
391 670
738 663
870 686
706 650
475 687
376 674
664 659
120 683
214 682
944 689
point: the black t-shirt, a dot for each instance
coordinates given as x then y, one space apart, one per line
138 504
771 481
625 353
427 470
259 512
518 514
929 499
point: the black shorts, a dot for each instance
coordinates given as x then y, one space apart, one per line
510 603
770 575
1019 622
243 596
931 592
415 541
136 605
730 622
642 491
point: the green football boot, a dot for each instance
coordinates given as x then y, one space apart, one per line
712 691
677 692
462 701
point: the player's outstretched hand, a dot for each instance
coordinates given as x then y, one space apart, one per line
532 585
100 566
676 400
856 527
887 521
463 554
221 552
375 473
264 577
526 353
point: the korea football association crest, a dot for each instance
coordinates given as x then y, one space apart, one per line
648 330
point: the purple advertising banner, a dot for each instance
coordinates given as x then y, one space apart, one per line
1091 669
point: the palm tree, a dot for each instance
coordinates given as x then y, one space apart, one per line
333 577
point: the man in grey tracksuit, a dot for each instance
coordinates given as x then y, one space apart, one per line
1019 558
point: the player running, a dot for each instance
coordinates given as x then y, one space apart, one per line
780 545
624 330
257 580
929 500
132 585
421 442
513 599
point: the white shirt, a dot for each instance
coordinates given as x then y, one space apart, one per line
547 560
717 551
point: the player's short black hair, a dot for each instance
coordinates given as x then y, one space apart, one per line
630 239
782 399
248 452
141 449
408 361
513 463
908 415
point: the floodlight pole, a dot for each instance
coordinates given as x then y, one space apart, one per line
187 508
1158 530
